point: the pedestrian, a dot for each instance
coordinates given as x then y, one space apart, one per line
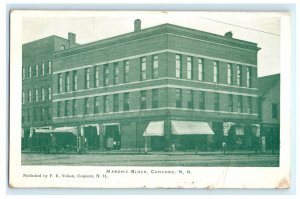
224 147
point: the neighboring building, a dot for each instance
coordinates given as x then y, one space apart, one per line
163 87
269 109
37 68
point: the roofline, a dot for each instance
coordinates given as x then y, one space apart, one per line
44 38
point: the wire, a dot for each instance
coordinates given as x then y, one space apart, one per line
240 26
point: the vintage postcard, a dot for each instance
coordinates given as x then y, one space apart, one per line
157 99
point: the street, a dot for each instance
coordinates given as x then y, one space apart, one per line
154 159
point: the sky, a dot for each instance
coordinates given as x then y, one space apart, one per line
89 26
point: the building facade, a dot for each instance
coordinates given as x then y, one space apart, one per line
37 89
162 88
269 110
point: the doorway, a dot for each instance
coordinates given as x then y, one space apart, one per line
112 137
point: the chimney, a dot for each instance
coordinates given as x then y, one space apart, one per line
228 34
137 25
72 39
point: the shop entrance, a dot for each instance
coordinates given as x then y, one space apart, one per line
112 137
92 138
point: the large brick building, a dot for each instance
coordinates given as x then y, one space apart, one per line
162 87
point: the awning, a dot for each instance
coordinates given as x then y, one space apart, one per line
155 128
190 128
93 125
72 129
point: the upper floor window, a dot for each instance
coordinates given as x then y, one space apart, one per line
126 102
249 104
229 73
116 102
75 80
23 73
178 98
200 70
43 68
36 70
274 111
126 71
43 94
86 105
97 104
116 73
49 67
202 100
239 104
216 72
143 68
155 98
155 66
43 114
60 82
105 74
23 97
59 109
49 93
106 104
87 78
216 101
29 96
190 99
67 108
249 79
67 82
36 95
178 64
239 75
143 100
230 103
189 68
62 47
74 106
96 76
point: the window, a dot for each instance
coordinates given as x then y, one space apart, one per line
116 102
200 70
96 104
190 99
35 114
229 74
36 70
96 76
230 103
105 74
60 82
43 114
240 104
87 78
23 97
155 98
216 72
249 79
249 104
23 73
239 76
106 104
49 113
49 93
216 101
36 95
59 109
62 47
67 82
143 100
178 98
115 73
126 102
274 111
143 68
126 71
29 96
155 66
43 94
178 64
67 103
49 67
29 71
189 68
86 105
43 68
28 116
202 100
74 107
75 80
